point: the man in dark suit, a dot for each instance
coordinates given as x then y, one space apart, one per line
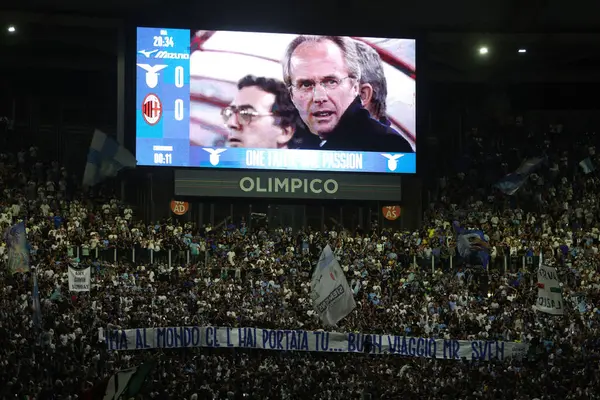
323 74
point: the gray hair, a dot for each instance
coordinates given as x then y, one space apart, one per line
344 43
372 73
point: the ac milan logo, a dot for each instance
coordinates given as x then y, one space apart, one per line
152 109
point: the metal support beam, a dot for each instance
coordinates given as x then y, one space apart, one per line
121 47
121 85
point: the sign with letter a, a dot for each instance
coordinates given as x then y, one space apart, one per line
179 207
391 213
550 299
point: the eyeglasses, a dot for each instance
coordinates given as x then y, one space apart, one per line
306 87
245 114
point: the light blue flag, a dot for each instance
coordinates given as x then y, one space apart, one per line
56 295
37 308
587 165
581 304
105 159
512 182
18 253
529 166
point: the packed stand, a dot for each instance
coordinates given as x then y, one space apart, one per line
241 277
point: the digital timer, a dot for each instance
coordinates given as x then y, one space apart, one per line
163 41
163 158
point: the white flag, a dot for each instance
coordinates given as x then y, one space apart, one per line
118 383
549 298
79 279
332 297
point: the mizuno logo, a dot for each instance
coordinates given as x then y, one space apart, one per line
147 53
173 56
162 54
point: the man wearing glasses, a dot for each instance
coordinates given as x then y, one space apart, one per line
261 116
323 75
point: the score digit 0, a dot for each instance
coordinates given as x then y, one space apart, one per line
178 110
179 80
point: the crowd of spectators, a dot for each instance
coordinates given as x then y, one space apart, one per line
258 277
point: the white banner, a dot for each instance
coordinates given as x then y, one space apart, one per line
79 279
331 295
549 299
319 341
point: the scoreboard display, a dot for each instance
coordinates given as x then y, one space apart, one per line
244 100
163 96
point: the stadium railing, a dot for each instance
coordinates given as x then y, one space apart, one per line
180 257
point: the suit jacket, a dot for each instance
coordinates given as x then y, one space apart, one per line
356 131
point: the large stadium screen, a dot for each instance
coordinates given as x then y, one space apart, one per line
246 100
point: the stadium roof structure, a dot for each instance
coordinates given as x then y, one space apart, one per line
561 41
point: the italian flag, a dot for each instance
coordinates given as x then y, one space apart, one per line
553 289
128 382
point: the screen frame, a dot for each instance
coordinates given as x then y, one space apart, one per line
421 84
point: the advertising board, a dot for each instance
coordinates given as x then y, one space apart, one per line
286 185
